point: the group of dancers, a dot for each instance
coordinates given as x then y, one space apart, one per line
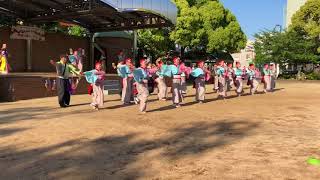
138 82
224 75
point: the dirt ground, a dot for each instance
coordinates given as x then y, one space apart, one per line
265 136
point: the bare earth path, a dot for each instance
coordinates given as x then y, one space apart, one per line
266 136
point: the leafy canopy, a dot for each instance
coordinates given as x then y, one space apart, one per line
307 19
155 42
206 24
288 47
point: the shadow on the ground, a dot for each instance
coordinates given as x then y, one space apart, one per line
163 108
82 104
35 113
118 106
278 89
87 103
119 156
9 131
17 114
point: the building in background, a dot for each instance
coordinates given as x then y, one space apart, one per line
246 55
292 7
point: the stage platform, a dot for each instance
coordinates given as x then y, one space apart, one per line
22 86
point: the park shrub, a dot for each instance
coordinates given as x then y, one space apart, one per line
287 76
313 76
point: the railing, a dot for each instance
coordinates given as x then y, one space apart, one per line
111 87
165 8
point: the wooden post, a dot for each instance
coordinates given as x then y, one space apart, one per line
135 46
29 55
91 59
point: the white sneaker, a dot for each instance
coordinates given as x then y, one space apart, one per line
136 100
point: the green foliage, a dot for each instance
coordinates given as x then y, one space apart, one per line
287 76
307 19
6 21
77 31
267 48
313 76
155 42
288 47
207 24
53 27
72 30
187 32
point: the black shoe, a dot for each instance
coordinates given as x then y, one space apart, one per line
63 106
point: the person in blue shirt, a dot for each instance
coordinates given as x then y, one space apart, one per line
162 87
273 76
177 97
266 78
96 78
230 76
222 74
215 77
252 79
183 78
200 74
238 72
127 82
141 79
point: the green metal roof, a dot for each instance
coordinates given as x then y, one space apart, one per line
117 34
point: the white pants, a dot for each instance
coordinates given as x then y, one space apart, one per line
200 88
176 91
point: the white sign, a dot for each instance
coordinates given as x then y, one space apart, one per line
27 32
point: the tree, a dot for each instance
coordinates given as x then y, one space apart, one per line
206 24
155 42
282 48
187 31
307 19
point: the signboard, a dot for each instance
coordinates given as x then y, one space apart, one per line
27 33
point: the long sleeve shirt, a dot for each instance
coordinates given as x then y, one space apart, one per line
198 72
140 75
161 71
251 74
221 71
64 71
101 76
124 71
266 72
238 72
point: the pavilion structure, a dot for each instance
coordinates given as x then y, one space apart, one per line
94 15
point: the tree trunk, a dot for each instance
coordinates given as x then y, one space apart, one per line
182 51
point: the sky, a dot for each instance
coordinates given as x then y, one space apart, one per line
257 15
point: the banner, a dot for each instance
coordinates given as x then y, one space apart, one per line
27 33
